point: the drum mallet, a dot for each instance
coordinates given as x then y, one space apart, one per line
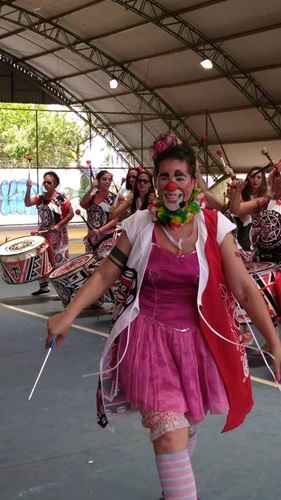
78 212
265 153
52 346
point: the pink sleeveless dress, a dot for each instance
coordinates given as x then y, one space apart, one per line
168 366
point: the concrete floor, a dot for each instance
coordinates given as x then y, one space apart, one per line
52 449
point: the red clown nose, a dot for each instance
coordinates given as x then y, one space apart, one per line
171 186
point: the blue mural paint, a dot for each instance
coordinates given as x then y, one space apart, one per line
12 195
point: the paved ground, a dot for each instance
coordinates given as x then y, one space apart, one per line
52 449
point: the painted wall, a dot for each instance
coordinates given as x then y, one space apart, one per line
73 184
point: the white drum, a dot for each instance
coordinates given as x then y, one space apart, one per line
24 259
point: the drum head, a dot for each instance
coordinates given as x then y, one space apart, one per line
20 245
72 265
266 230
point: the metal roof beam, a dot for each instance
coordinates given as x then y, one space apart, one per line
88 51
191 8
220 39
175 85
192 38
67 99
52 18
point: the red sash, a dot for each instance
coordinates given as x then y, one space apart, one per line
218 308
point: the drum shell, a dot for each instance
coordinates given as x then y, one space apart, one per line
69 282
264 276
27 266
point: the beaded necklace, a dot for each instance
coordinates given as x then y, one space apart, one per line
178 217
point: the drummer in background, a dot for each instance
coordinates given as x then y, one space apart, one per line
269 227
141 197
255 186
98 202
55 211
126 190
268 205
131 178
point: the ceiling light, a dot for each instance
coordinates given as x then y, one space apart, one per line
207 64
113 83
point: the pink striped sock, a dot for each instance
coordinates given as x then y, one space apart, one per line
176 476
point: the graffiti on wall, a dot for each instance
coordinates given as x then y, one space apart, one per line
12 193
74 183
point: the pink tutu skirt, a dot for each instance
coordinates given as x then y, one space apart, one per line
170 369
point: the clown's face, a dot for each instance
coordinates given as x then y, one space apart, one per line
174 183
172 196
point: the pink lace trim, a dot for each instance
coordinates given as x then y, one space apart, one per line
160 422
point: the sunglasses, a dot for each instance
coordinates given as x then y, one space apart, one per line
47 182
143 181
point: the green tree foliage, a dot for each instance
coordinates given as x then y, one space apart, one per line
61 137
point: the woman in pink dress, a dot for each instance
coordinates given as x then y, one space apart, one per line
175 352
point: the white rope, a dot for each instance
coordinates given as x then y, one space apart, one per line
239 344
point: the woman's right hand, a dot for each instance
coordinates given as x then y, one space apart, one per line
58 327
94 234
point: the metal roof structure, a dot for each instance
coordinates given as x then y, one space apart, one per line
73 48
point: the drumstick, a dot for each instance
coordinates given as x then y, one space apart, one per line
265 152
263 169
89 164
29 159
78 212
227 169
52 345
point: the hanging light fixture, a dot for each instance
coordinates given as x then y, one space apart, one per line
113 83
206 64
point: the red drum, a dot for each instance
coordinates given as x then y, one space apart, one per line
104 248
24 259
70 276
264 274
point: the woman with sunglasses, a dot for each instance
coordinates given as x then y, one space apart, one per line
55 211
142 196
143 193
174 353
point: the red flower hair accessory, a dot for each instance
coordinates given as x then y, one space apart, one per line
140 169
164 142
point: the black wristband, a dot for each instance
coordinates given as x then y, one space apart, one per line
118 257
